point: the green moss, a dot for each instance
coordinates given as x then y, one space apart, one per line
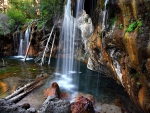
138 83
7 72
112 21
121 26
32 69
134 25
136 76
141 31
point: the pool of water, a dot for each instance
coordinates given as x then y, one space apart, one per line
17 73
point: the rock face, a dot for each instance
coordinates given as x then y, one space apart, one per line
121 49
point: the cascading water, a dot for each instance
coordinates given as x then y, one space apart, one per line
26 40
20 52
66 64
16 42
104 16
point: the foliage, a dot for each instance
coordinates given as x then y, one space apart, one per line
134 25
138 83
121 26
49 8
16 15
112 21
4 29
24 11
40 24
19 12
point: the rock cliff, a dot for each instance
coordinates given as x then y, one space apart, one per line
120 46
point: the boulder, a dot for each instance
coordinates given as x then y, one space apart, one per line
82 105
55 105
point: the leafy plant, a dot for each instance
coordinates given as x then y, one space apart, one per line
134 25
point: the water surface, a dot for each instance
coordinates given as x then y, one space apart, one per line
18 73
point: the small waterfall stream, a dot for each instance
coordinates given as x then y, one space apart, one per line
104 16
20 53
23 42
26 39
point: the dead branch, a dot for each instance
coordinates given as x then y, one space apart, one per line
42 60
51 50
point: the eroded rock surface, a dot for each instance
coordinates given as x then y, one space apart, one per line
122 48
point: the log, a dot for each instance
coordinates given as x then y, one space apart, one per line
21 95
25 89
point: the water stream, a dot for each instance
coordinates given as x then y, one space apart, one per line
104 23
20 52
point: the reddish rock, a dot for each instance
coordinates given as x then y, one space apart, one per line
53 90
65 95
82 105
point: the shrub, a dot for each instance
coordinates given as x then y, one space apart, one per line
16 17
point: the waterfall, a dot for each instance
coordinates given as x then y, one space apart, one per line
104 16
26 40
66 63
20 53
16 42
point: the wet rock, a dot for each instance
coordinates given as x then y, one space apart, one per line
82 105
86 27
55 105
64 95
9 107
32 110
25 106
53 90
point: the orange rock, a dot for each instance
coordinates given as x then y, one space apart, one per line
64 95
53 90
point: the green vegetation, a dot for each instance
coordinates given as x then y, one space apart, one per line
138 83
32 69
121 26
23 12
136 76
112 21
134 25
6 72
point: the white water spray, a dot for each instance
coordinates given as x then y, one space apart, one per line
67 65
26 40
20 53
